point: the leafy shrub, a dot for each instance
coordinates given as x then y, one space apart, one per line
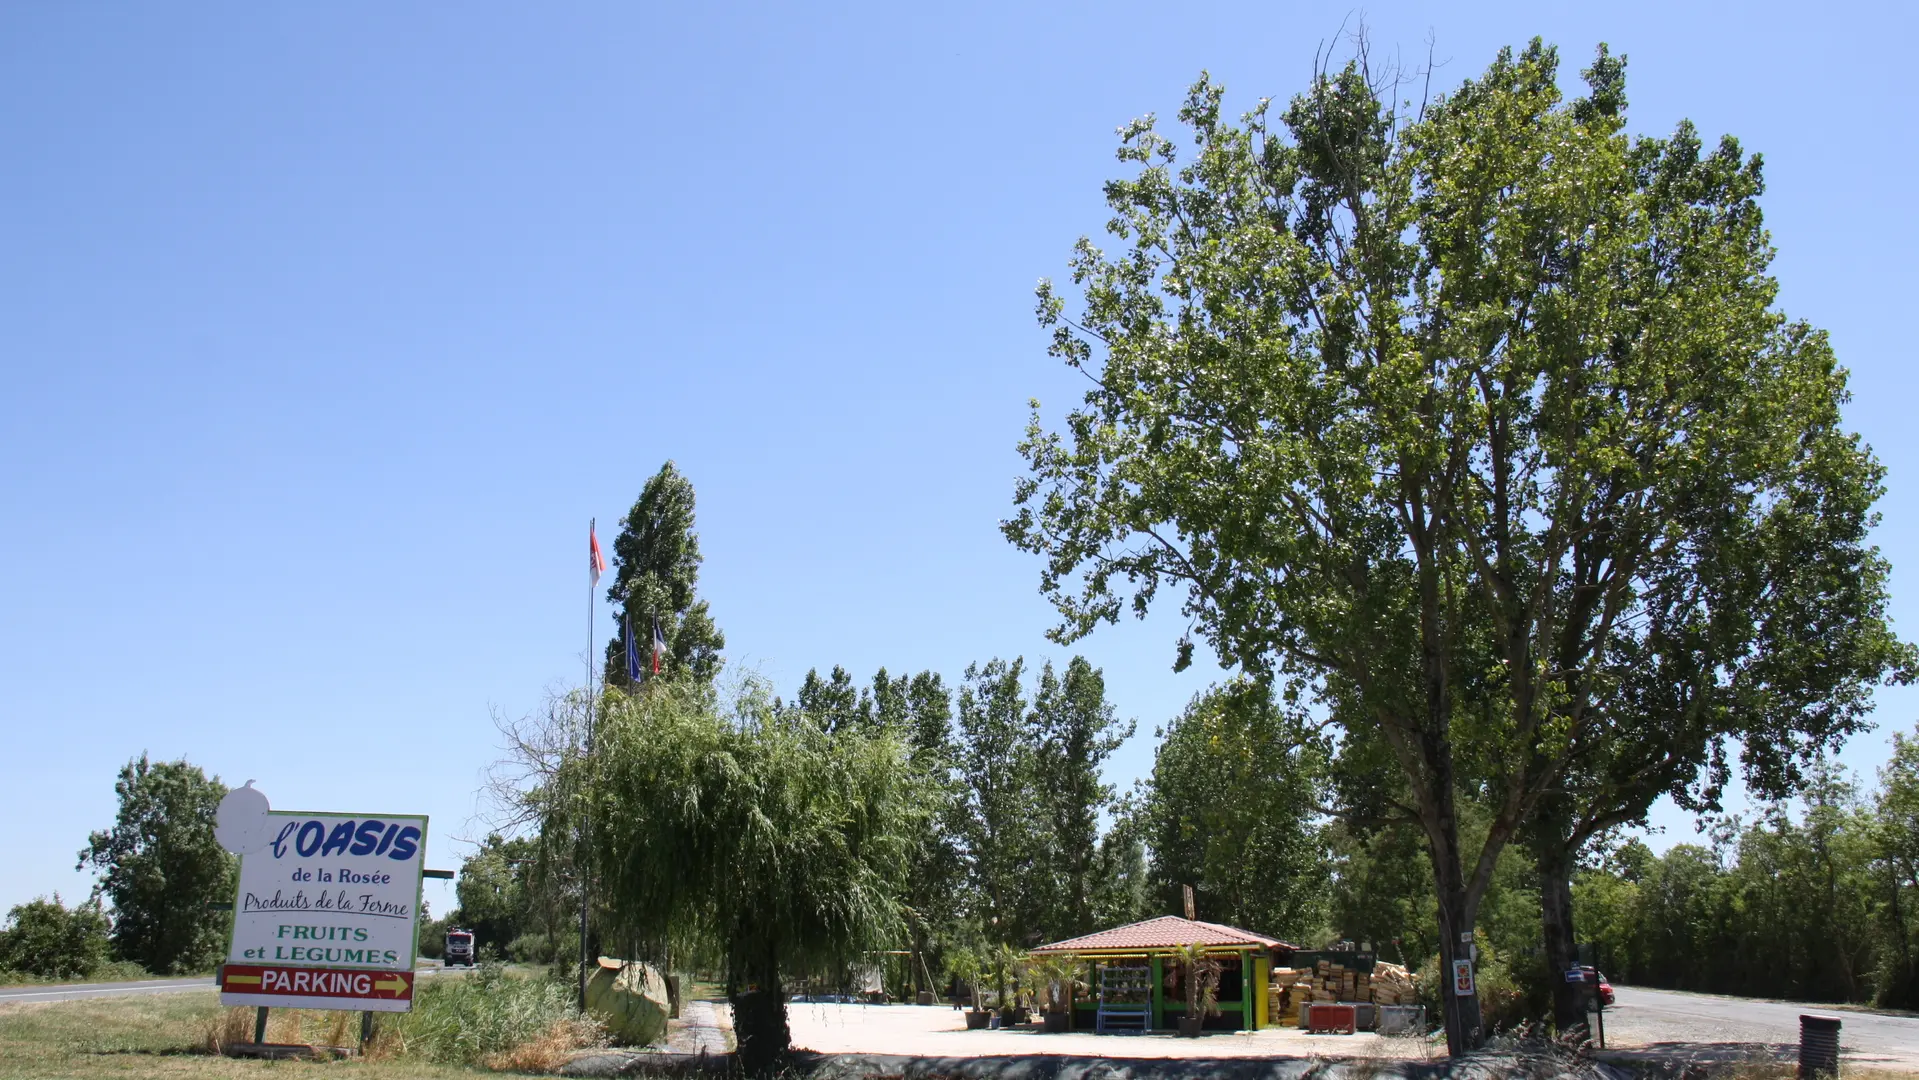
46 938
533 949
463 1021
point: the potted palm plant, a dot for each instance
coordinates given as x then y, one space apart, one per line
1055 978
964 967
1200 973
1009 962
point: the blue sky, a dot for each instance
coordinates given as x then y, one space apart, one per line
325 329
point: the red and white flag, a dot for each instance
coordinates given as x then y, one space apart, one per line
659 645
596 564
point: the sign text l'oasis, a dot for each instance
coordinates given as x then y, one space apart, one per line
330 891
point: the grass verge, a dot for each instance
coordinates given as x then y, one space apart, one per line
118 971
459 1027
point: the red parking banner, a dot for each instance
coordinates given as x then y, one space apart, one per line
279 986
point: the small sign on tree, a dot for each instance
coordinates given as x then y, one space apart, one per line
1463 978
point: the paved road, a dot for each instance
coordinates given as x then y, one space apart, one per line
82 991
1665 1016
91 990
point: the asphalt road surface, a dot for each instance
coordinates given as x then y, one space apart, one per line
83 991
1652 1017
13 994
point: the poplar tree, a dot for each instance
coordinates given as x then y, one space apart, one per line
1074 731
1229 810
1446 413
656 572
997 822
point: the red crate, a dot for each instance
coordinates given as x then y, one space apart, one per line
1322 1019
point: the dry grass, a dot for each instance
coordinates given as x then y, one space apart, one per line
228 1027
549 1051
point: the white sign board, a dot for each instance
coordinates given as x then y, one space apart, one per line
327 913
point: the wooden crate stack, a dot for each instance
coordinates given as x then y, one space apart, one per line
1388 984
1288 989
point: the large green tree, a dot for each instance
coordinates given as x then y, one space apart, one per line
1896 836
1074 731
1771 635
160 867
503 898
656 573
999 822
1122 878
776 844
835 702
1441 413
919 711
1230 810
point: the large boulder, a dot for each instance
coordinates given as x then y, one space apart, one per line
630 998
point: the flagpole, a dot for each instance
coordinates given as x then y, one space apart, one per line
592 601
591 606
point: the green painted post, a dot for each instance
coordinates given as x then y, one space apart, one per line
1159 995
1245 990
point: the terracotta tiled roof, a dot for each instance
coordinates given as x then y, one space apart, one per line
1165 932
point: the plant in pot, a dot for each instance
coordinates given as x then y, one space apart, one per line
1200 974
963 965
1009 962
1055 978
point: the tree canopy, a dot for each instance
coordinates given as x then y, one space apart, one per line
1231 809
656 573
160 867
777 842
1464 418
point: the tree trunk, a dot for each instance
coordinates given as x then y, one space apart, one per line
1458 904
1553 857
1902 982
1457 909
1460 1012
759 1011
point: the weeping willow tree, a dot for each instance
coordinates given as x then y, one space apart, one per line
749 833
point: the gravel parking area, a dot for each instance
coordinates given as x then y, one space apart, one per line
940 1031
